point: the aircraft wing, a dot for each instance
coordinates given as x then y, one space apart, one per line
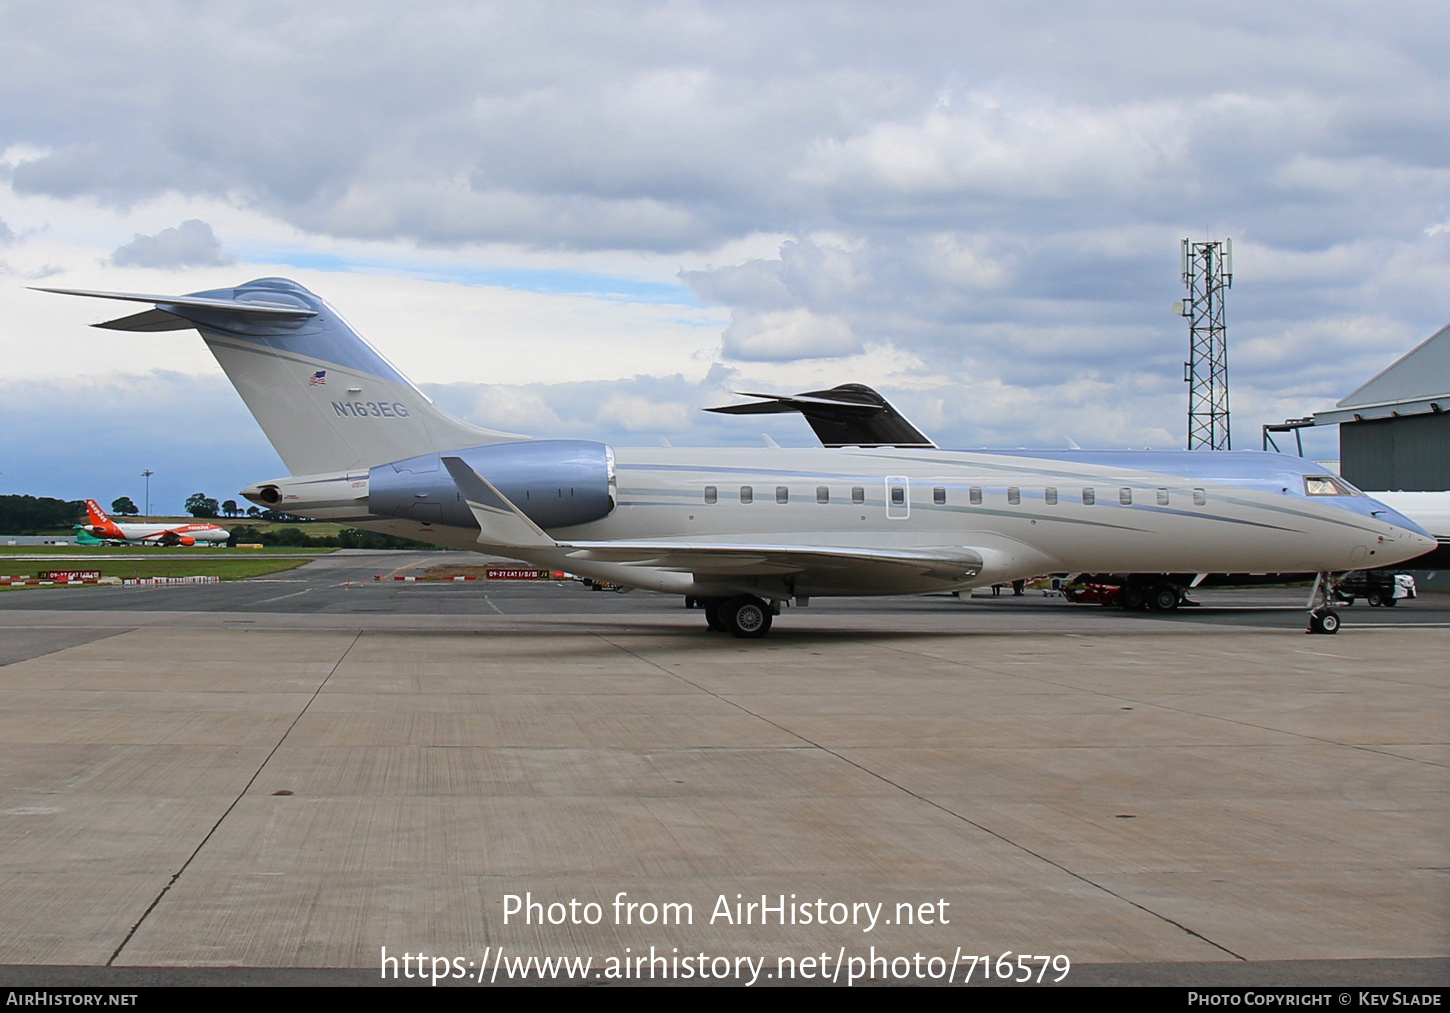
853 565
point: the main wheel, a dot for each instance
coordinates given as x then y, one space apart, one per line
1163 599
712 615
746 616
1324 621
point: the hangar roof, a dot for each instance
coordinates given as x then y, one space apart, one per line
1415 384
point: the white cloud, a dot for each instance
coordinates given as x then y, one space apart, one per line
987 147
788 334
637 414
190 244
977 204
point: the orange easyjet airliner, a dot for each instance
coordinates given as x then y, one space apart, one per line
107 530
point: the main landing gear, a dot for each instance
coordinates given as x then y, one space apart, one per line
742 616
1322 618
1153 597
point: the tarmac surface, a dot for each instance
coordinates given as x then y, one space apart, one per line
272 780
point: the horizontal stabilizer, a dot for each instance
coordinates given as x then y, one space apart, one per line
148 320
249 308
499 521
851 415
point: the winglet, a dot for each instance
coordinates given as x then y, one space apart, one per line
499 521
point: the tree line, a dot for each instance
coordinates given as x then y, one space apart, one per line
38 515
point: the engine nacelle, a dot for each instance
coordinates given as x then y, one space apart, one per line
556 483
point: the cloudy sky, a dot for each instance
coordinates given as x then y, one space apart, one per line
594 220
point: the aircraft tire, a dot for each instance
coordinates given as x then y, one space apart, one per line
713 622
1324 621
746 616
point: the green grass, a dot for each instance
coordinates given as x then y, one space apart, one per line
74 552
316 529
226 569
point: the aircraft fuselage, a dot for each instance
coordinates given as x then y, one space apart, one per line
1025 513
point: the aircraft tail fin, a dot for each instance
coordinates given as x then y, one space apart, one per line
100 523
325 398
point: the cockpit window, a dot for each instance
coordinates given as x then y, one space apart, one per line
1328 485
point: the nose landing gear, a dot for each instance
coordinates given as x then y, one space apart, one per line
1322 618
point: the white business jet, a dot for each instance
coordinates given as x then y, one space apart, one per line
747 530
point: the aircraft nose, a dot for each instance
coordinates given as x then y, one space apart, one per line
1400 521
1406 543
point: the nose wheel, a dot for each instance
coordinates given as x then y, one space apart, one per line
1322 618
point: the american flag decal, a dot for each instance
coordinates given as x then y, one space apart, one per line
317 379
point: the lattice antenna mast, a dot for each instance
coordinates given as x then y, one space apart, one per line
1208 273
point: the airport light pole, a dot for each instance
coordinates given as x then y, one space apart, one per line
147 476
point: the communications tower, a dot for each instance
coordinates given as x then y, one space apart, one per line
1208 273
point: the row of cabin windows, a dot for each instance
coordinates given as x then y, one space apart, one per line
939 495
782 494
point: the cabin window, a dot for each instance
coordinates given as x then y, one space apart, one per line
898 496
1089 497
710 494
1125 496
747 494
858 495
974 496
823 494
1014 495
1162 497
939 496
1049 496
782 494
1199 497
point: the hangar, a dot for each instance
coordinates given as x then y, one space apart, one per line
1394 431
